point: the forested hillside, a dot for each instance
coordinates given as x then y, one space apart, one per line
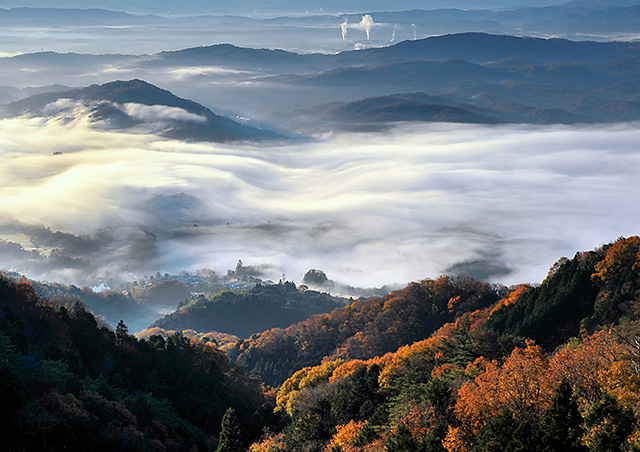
447 365
245 312
69 384
482 383
365 328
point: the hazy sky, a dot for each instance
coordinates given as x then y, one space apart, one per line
176 28
502 203
311 27
270 7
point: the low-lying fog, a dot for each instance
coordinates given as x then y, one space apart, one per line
499 203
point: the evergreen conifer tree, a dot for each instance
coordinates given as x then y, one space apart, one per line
122 332
402 441
610 423
229 440
562 423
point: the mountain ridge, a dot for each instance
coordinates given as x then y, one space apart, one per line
202 124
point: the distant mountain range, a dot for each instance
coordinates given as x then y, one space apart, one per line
473 47
136 103
271 7
586 18
61 16
500 78
421 107
468 77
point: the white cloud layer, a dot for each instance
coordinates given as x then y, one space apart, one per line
61 106
160 113
501 202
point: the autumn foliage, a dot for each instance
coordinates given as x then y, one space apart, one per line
365 328
543 368
445 365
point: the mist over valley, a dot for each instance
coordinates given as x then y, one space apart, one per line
467 153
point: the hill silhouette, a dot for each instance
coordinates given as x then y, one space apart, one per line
118 103
251 311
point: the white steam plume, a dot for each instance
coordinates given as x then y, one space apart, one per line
344 26
366 23
393 33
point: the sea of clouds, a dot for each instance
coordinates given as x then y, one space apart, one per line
500 203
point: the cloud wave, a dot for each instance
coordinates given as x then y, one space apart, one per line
502 203
160 113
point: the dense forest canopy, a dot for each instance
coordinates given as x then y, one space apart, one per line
482 383
365 328
68 383
450 364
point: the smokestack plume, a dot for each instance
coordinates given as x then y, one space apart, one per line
366 23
